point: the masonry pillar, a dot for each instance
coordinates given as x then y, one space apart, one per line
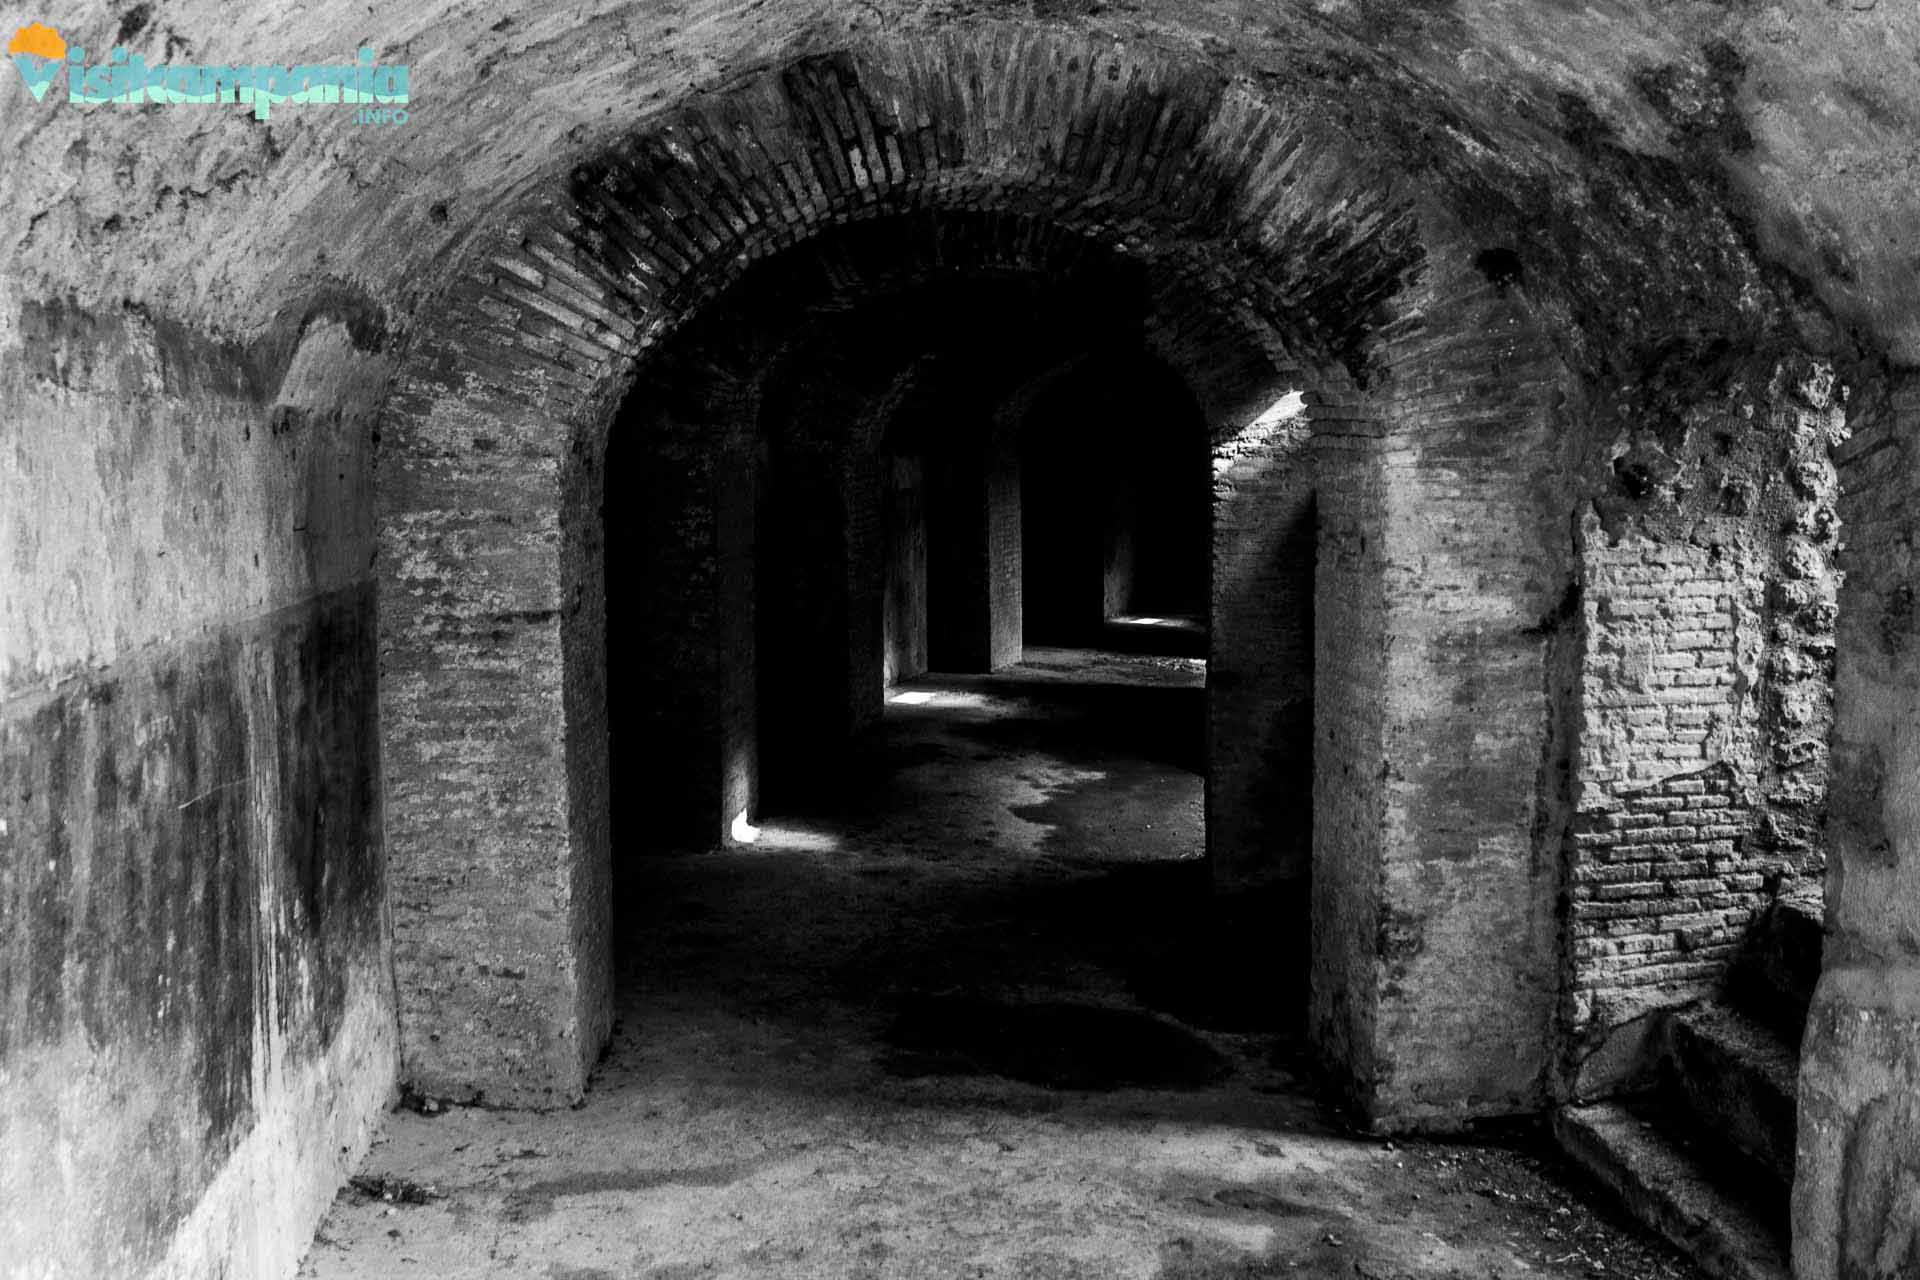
905 596
1349 745
1442 683
1856 1192
867 477
974 597
814 521
1121 534
1260 655
680 523
493 756
737 755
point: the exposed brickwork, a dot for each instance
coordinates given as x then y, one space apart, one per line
1349 737
681 578
1477 558
1113 457
1003 548
1662 890
1119 550
1707 612
865 641
734 639
476 783
974 569
1263 184
763 397
1671 629
1250 226
904 627
1260 652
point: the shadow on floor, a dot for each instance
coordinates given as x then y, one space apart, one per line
989 1020
1007 879
1070 977
1077 708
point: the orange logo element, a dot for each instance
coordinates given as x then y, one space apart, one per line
38 40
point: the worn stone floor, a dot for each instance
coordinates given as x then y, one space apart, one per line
974 1016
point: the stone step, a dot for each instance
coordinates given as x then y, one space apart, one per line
1688 1196
1734 1080
1774 975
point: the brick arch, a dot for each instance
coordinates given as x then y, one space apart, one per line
699 407
1263 232
1235 362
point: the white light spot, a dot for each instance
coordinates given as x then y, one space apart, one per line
797 839
744 832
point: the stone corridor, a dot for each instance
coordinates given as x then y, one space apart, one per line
979 1016
471 561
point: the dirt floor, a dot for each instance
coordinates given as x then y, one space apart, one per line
975 1015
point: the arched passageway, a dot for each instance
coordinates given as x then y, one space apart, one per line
1406 608
1116 501
1324 378
852 489
1520 355
821 656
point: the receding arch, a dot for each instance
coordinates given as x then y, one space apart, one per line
1279 260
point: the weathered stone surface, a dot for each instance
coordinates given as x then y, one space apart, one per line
1260 683
1791 110
1707 613
1522 260
1855 1187
1660 1183
1738 1080
196 1010
1858 1178
842 138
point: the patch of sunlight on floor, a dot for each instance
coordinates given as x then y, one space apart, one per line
943 698
788 837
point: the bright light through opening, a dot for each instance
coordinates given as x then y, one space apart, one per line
780 837
1277 417
793 839
1285 409
912 699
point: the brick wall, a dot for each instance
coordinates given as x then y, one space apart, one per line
1268 242
1663 886
1707 615
1349 739
806 533
1119 555
1478 563
866 560
735 637
1260 816
958 562
906 585
1003 553
667 607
